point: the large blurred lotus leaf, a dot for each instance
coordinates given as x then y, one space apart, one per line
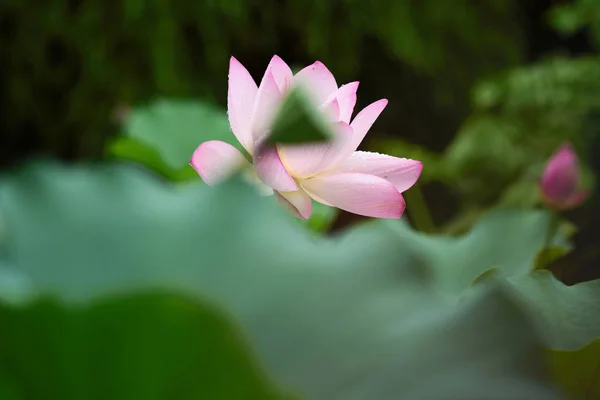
127 148
508 244
569 316
175 128
508 240
347 318
151 346
505 244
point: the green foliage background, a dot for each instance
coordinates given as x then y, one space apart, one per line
68 64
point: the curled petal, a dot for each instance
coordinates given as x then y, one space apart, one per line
215 161
346 96
361 194
281 73
361 125
401 172
318 81
331 110
268 100
271 170
240 102
298 202
306 160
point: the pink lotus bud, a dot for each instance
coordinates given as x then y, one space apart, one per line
560 181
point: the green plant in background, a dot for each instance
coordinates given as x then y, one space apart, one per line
573 17
70 64
520 117
163 134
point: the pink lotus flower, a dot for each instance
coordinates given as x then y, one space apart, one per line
331 172
561 179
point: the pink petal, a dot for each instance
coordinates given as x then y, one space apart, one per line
317 79
268 100
306 160
401 172
281 73
561 176
240 102
271 170
361 194
215 160
331 110
361 125
298 202
346 96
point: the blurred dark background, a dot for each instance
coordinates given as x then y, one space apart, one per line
482 91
